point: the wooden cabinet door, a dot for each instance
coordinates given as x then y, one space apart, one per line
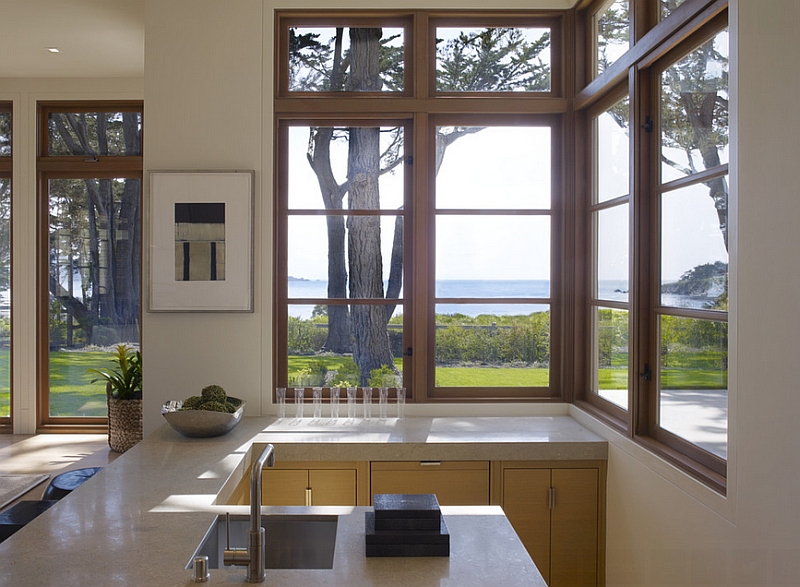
453 483
573 529
283 487
526 503
332 486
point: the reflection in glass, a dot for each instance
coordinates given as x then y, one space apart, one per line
495 59
694 255
311 266
611 355
315 150
497 254
694 111
493 167
612 253
669 6
693 401
310 354
5 297
492 345
612 150
94 284
94 133
612 33
327 59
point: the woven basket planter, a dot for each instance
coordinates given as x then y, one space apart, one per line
124 422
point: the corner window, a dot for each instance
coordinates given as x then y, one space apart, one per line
610 226
692 310
657 215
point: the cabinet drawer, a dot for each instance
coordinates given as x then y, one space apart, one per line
453 482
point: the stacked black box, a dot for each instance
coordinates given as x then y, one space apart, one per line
406 525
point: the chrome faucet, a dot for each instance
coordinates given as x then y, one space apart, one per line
253 555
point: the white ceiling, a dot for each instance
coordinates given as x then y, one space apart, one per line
96 38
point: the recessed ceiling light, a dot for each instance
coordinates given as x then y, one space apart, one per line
52 49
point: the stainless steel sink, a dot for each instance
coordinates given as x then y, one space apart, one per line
291 542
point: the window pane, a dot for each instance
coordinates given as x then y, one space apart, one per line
693 400
493 167
5 297
507 253
317 271
309 345
331 59
694 253
612 152
5 133
375 152
669 6
612 30
694 111
612 253
94 285
492 345
611 355
95 133
493 59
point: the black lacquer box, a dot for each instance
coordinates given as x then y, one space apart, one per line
406 525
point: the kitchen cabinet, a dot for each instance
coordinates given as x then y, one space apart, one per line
309 483
557 509
453 482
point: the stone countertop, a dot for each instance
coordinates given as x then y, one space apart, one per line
490 438
139 520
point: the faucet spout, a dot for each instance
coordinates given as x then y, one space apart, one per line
253 556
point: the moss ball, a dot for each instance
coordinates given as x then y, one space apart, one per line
214 393
214 406
192 403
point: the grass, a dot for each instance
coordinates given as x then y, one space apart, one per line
491 377
73 394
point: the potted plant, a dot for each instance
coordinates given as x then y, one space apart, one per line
124 396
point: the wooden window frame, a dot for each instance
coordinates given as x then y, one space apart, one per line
421 106
6 170
658 45
69 167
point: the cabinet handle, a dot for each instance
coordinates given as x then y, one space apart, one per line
552 497
308 496
430 463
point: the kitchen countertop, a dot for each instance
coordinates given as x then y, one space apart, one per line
139 520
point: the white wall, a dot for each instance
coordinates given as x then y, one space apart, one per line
203 111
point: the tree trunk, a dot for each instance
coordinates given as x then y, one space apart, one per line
370 336
371 349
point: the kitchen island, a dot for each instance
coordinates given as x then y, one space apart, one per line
139 520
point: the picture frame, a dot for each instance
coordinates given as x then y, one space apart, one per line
201 241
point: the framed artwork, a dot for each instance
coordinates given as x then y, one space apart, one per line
201 241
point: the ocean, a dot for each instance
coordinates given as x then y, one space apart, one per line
467 288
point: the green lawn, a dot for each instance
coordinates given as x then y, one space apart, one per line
72 392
